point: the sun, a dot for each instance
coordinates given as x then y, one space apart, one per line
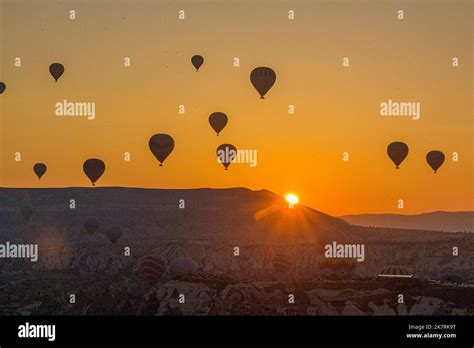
292 199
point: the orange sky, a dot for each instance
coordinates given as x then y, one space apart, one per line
337 109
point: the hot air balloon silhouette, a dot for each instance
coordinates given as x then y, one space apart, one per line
3 87
218 121
94 168
197 61
397 151
226 153
39 169
91 224
262 79
161 145
151 268
114 233
435 159
56 70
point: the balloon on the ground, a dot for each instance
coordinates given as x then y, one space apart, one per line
94 168
91 224
161 145
397 151
282 263
3 87
262 79
39 169
435 159
151 268
56 70
226 153
218 121
197 61
182 266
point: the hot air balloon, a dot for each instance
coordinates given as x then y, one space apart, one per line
397 151
262 79
435 159
151 268
161 145
3 87
91 224
114 233
282 263
39 169
26 211
56 70
226 154
218 121
197 61
183 266
94 168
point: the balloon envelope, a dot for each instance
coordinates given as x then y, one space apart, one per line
114 233
397 151
282 263
218 121
161 145
197 61
151 268
262 79
226 153
91 224
39 169
3 87
435 159
56 70
182 266
94 168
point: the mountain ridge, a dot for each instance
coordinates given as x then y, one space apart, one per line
206 214
447 221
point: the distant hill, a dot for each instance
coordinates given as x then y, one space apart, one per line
461 221
153 215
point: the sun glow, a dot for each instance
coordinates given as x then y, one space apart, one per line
292 199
